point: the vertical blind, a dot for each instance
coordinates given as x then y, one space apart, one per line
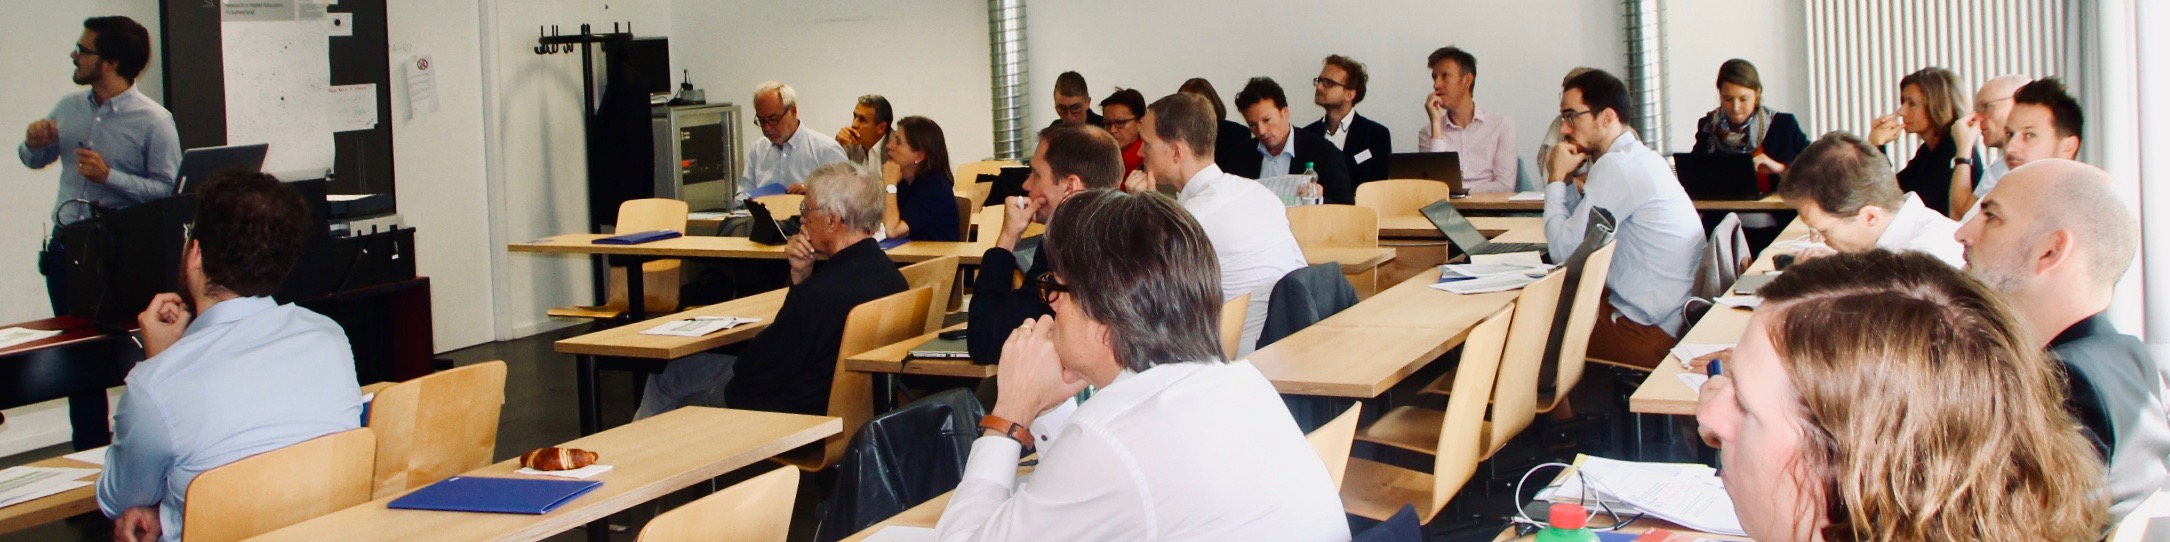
1859 49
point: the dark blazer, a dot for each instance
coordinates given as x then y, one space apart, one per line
929 205
2113 383
1928 174
788 367
999 304
1313 148
1364 135
1232 143
1090 118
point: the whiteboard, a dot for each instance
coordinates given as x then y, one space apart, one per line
278 85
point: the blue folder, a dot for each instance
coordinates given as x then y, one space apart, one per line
766 190
639 237
893 242
495 495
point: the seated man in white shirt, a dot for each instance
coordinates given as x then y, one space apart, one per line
1178 443
791 151
1247 223
1847 194
1658 235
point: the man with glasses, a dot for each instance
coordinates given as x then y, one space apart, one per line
1485 139
1284 150
1847 194
1125 111
1069 159
1073 101
792 151
1341 84
1986 125
116 147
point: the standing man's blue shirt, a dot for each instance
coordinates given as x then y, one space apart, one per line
133 133
248 376
788 164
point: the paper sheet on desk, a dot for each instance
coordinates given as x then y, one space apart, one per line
1531 258
20 484
1687 494
94 456
1486 284
896 533
698 326
16 335
1468 270
1688 351
582 473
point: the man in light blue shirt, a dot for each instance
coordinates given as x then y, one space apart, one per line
1658 234
244 376
117 148
791 152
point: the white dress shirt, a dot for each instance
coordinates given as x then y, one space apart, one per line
1339 132
789 163
1917 227
1658 236
1182 451
1486 147
1249 229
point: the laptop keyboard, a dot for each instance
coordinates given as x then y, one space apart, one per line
1509 248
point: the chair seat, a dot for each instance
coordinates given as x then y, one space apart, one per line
1377 490
1410 428
591 312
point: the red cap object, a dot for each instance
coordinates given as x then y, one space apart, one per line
1567 515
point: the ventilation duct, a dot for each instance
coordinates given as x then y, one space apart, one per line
1006 49
1646 69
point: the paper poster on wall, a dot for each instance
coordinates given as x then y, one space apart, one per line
277 79
258 10
309 10
353 107
421 86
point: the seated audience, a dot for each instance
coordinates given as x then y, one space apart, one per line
1485 139
228 372
1659 235
1136 315
1123 112
1846 193
1232 140
1986 126
2045 122
788 367
1281 149
1246 222
2054 237
1553 138
792 150
1929 102
925 197
1886 396
866 139
1068 159
1742 125
1073 101
1341 84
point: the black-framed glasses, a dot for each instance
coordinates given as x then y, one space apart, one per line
1328 83
80 50
1568 117
1114 123
1072 108
770 120
1049 289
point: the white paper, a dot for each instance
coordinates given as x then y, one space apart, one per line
582 473
421 87
898 533
1694 381
707 215
1530 258
1362 157
94 456
353 107
1739 301
1487 284
339 25
698 326
277 80
1489 269
17 335
257 10
1688 351
1687 494
20 484
1527 196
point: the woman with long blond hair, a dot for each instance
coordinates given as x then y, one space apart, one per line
1886 396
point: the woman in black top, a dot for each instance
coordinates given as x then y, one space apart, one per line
1742 125
926 200
1930 101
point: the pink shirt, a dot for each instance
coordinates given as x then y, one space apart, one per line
1487 149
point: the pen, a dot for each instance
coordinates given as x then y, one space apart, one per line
1716 367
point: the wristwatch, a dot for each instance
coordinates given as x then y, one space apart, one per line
1008 428
1961 161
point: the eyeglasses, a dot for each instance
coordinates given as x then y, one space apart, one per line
771 120
1114 123
1984 107
1328 83
80 50
1072 109
1568 117
1049 289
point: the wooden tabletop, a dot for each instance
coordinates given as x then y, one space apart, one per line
72 330
1662 392
704 246
626 340
1399 330
896 359
55 507
923 516
651 458
1353 260
1418 227
1497 201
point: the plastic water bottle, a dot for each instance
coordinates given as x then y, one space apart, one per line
1569 524
1312 192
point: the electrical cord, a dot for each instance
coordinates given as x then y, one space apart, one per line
1522 518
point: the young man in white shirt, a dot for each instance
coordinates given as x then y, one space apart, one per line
1847 194
1659 237
1485 139
1247 223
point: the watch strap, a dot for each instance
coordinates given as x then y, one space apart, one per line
1007 428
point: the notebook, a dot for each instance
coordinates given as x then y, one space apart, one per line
638 237
495 495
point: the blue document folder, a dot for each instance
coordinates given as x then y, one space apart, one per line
766 190
495 495
639 237
893 242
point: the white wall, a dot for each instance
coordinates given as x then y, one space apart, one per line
1702 34
438 159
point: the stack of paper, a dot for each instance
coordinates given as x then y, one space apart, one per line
1686 494
1689 351
1739 301
16 335
94 456
1488 284
698 326
1495 276
21 484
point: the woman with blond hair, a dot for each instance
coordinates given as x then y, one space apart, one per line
1889 397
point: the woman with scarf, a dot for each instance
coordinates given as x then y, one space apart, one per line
1742 125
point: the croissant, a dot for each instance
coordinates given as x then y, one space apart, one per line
558 458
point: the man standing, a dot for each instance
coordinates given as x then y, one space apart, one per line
1073 101
792 152
117 148
1845 190
1485 139
1986 125
1341 85
1284 150
1246 223
870 125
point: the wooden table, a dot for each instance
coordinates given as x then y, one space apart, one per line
1398 331
55 507
1497 201
653 457
1662 392
627 342
703 246
923 516
78 364
897 359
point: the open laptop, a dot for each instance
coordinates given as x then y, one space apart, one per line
1719 176
1444 167
1010 182
198 165
1465 236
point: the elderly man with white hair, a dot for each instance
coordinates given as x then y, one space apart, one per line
792 151
2054 237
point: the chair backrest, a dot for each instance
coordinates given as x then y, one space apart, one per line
271 490
1596 234
964 218
1723 258
661 276
1339 226
938 275
1462 427
969 172
437 426
1581 320
1400 197
1514 394
756 510
782 206
1232 315
873 324
1332 442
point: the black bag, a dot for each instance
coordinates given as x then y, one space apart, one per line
900 460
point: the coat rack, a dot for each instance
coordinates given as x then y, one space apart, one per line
550 42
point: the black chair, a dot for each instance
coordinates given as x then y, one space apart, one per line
899 460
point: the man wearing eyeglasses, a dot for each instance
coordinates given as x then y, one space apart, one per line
1284 150
1073 102
792 152
1485 139
1986 125
1341 84
117 148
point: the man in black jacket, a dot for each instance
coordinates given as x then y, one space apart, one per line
1071 158
1265 108
1341 85
788 367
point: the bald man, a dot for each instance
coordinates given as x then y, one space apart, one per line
2053 237
1985 126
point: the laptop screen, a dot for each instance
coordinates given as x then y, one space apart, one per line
1450 221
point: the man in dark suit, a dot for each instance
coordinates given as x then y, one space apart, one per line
1286 149
1341 85
1069 159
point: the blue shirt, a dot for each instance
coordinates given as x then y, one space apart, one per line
133 133
248 376
1659 235
929 205
789 163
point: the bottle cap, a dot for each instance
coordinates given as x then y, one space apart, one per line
1567 515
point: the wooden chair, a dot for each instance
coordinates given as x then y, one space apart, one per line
271 490
437 426
1377 490
660 277
756 510
1232 315
1333 440
1581 320
1405 198
939 275
1339 226
1514 390
871 325
964 218
782 206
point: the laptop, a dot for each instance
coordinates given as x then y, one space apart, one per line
1465 236
198 165
1010 182
1719 176
1444 167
